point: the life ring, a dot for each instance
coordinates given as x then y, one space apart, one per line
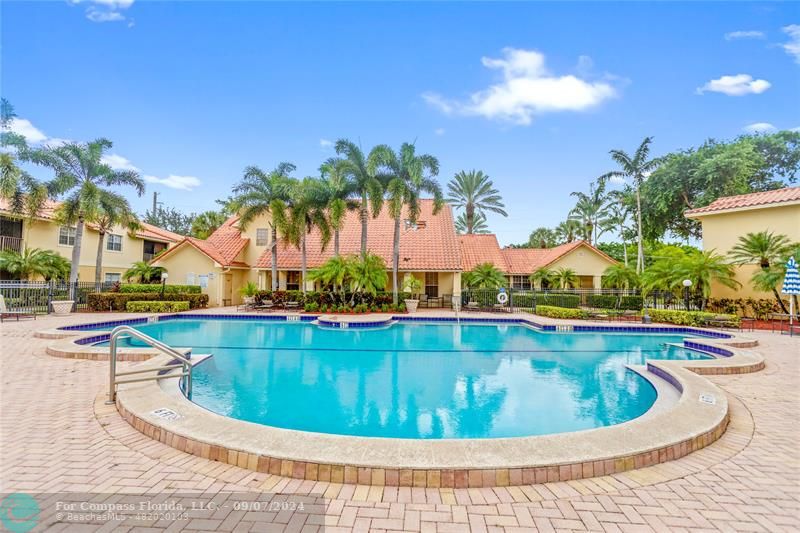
502 298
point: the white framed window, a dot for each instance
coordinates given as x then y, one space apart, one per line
114 242
203 281
432 284
66 236
262 237
520 282
113 277
190 280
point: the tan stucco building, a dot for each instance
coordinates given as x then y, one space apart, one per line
726 219
121 248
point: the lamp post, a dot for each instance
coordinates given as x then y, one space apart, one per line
687 283
164 277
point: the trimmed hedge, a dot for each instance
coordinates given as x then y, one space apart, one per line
557 299
688 318
560 312
156 287
326 298
118 301
156 307
609 301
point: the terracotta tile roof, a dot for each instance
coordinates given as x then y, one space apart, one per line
149 231
432 246
47 212
222 246
753 200
478 249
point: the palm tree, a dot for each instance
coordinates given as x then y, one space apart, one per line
567 231
304 211
261 192
207 223
479 226
703 267
144 272
406 175
620 277
566 278
637 168
335 273
113 210
616 219
366 186
474 192
485 276
589 209
543 277
34 262
339 188
766 249
542 238
82 174
368 274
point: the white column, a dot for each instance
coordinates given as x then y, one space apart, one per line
597 282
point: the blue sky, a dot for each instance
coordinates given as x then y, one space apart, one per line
532 94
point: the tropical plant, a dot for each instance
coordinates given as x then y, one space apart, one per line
637 168
262 192
620 277
566 278
766 249
368 274
479 226
542 238
702 268
543 277
485 276
338 189
249 289
474 192
170 219
33 262
144 272
81 173
206 223
589 210
616 218
406 176
413 285
335 272
304 211
365 186
113 210
567 231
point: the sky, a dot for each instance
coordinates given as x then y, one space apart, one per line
533 94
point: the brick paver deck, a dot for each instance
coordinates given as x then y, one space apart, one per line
57 435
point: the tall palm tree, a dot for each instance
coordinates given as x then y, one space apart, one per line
567 231
620 277
406 176
474 192
485 276
542 238
766 249
34 262
589 209
366 187
339 187
616 219
113 210
479 226
261 192
637 168
81 174
207 223
304 211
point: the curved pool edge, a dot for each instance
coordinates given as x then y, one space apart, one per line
655 437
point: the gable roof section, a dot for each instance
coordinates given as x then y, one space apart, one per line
222 246
756 200
432 246
479 249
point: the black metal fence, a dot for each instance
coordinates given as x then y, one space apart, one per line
36 296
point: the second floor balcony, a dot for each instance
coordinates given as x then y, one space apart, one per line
8 243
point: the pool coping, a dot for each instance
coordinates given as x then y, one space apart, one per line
689 425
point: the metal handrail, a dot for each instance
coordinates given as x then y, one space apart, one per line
117 332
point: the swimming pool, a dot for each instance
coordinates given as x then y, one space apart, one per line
418 380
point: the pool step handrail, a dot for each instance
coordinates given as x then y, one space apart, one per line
182 363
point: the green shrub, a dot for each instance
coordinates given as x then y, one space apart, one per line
558 299
688 318
560 312
610 301
156 287
632 303
156 307
118 301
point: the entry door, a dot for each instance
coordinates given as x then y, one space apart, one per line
227 289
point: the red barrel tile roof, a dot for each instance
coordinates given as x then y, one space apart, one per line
753 200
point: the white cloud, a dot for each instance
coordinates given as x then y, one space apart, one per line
105 10
744 34
184 183
117 162
792 47
24 127
797 129
617 180
439 131
759 127
738 85
325 143
527 89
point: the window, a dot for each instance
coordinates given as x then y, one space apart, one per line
293 281
203 281
66 236
520 282
262 237
113 277
432 284
190 278
114 242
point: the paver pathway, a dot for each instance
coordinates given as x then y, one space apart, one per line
57 435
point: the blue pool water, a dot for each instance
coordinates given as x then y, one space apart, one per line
416 380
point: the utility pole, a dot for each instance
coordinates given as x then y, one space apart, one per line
155 203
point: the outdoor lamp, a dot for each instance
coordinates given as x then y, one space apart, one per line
686 284
164 277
